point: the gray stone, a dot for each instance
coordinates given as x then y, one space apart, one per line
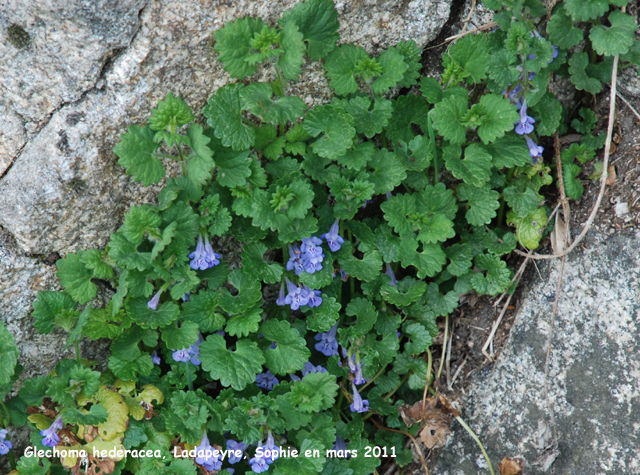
594 374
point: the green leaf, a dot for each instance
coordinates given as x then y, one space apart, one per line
233 42
318 279
233 167
253 262
498 276
188 414
139 222
291 352
407 291
508 151
579 78
76 278
357 157
314 393
141 314
31 466
470 55
431 89
583 10
386 171
341 64
587 125
336 127
365 269
292 59
370 121
318 23
184 336
256 98
502 69
48 306
362 465
483 203
135 153
522 202
497 117
233 368
245 323
475 169
387 243
411 55
93 259
322 429
461 256
616 39
366 315
416 155
224 115
572 185
549 115
323 317
583 153
96 415
561 31
447 119
171 114
394 67
201 165
407 110
8 357
419 336
248 292
429 261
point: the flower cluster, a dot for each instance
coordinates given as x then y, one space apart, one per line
260 463
50 435
205 455
266 380
189 354
327 343
203 257
309 256
298 296
5 445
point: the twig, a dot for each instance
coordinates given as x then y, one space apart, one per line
603 178
468 19
635 112
444 345
455 375
460 35
475 437
424 463
566 210
495 328
447 362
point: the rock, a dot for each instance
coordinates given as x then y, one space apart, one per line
594 374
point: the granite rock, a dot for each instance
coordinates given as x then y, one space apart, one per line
591 423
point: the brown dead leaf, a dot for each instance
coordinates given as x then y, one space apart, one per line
559 236
436 428
511 466
611 175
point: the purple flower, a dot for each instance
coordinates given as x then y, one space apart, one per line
259 464
181 356
398 334
51 437
266 380
232 445
297 296
390 273
532 56
294 377
341 447
358 380
273 345
535 150
314 297
327 343
155 358
153 303
205 456
366 202
333 238
358 404
185 297
199 257
220 332
351 361
5 445
280 300
556 51
525 124
312 254
231 470
295 259
212 257
309 368
274 452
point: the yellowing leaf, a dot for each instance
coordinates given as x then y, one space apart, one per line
116 424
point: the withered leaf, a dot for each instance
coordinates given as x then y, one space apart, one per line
511 466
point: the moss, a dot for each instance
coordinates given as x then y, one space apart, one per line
18 37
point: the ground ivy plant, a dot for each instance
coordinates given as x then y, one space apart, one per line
284 290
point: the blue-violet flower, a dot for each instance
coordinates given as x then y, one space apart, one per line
295 261
153 303
5 445
155 358
535 150
297 296
327 343
525 124
309 368
333 238
233 446
280 300
51 437
358 404
266 380
390 273
205 455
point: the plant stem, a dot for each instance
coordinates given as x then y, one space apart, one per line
189 376
434 150
444 345
374 378
402 381
77 345
12 460
475 437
